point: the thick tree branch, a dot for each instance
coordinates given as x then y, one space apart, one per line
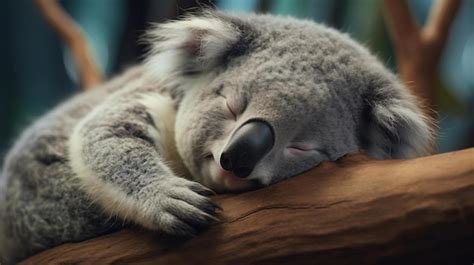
89 72
418 50
355 211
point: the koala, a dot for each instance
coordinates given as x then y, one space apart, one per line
222 103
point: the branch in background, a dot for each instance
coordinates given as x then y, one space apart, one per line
418 50
89 73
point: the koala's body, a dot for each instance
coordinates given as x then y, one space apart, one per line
223 102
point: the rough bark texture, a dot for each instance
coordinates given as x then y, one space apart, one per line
354 211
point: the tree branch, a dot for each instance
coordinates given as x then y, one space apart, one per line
418 50
440 20
89 72
355 211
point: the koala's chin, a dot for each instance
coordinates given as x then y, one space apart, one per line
221 180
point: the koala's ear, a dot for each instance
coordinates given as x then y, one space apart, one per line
394 126
190 46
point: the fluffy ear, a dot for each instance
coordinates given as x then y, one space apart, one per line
190 46
394 126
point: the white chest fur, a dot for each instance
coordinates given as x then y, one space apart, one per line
163 112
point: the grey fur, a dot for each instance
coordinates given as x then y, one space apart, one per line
316 87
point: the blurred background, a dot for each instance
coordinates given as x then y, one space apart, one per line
36 70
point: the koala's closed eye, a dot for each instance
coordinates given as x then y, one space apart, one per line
232 104
231 110
301 149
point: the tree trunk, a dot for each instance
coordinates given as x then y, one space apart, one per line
354 211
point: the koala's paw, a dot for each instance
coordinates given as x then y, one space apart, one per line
179 207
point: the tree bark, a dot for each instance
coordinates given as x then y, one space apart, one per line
353 211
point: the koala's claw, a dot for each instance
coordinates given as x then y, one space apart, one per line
174 226
215 206
179 207
201 189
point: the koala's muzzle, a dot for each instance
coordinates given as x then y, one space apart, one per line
249 144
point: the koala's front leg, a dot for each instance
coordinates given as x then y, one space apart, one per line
117 154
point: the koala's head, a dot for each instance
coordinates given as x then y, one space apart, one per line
266 98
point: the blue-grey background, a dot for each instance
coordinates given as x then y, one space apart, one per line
36 72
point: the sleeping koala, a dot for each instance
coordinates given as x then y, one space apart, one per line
222 103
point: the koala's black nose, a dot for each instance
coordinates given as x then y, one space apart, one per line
248 145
